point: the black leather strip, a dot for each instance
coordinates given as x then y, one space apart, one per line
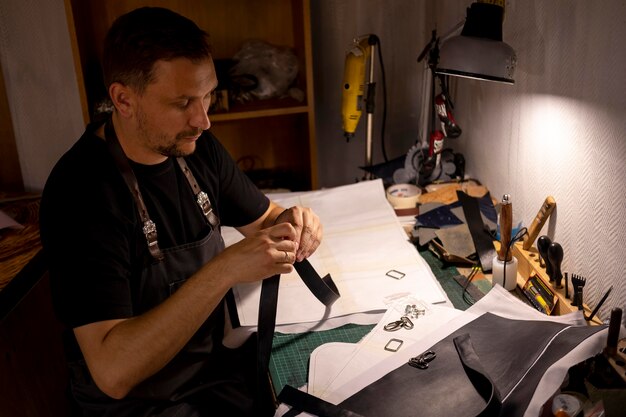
516 401
267 320
483 242
293 412
324 289
479 378
265 332
310 404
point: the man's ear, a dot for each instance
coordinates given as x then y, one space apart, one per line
123 99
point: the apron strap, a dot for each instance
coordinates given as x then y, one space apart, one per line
201 197
149 228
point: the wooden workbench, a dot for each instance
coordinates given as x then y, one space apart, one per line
33 373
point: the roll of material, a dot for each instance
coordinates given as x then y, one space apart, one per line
403 196
499 276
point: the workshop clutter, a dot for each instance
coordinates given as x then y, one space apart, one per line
442 224
258 71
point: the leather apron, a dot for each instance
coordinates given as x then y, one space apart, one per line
204 376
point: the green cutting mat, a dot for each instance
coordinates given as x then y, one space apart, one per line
289 362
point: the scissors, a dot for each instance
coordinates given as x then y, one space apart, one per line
404 322
421 361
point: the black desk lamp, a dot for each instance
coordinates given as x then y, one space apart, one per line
478 52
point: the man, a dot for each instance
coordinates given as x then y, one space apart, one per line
141 276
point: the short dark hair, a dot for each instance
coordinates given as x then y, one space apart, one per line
138 39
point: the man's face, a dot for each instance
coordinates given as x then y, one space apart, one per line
172 112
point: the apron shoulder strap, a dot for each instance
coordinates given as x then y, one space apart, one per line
201 197
149 228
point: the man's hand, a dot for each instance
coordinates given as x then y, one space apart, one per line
307 226
265 253
308 229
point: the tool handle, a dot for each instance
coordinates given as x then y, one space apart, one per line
506 225
555 257
540 219
543 243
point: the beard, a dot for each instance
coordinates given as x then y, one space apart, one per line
163 144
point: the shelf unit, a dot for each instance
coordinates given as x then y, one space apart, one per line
272 139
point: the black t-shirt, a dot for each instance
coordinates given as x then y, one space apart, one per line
91 231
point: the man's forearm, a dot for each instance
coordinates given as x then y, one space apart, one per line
122 353
134 349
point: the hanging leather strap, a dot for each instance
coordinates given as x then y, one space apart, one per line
324 290
478 377
265 333
201 197
149 228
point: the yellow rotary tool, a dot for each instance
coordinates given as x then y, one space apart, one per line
359 90
357 58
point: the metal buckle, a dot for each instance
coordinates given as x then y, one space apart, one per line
393 345
149 227
204 203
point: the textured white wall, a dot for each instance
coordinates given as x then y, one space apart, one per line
560 130
41 84
400 25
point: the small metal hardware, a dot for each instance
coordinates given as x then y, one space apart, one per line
149 227
414 312
404 322
421 361
393 345
395 274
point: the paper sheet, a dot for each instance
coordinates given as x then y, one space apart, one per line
362 241
330 369
497 301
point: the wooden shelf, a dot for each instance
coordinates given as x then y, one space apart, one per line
278 132
238 113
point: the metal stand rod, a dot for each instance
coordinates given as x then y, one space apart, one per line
370 114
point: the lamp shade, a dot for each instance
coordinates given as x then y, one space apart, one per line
479 51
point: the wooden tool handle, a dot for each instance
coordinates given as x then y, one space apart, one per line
540 219
506 225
